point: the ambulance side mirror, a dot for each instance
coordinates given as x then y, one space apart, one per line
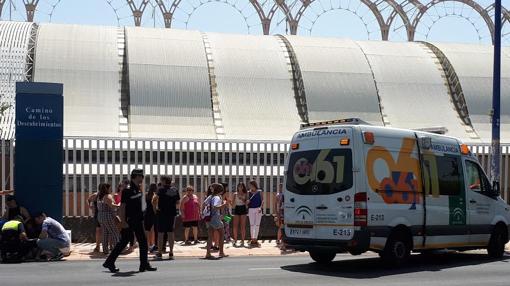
495 191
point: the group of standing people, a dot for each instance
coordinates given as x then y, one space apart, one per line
155 226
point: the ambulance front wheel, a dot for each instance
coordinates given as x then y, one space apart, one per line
496 247
322 257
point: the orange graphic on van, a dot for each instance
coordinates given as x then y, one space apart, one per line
400 188
399 182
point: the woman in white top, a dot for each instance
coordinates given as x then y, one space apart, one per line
240 211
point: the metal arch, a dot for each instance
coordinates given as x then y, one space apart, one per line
266 20
30 6
109 2
504 12
169 12
137 11
469 20
293 24
167 16
2 2
53 7
372 6
397 10
475 6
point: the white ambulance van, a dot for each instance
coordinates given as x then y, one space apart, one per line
352 187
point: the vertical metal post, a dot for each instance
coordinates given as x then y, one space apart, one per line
496 100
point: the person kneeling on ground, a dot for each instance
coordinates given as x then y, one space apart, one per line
14 244
53 236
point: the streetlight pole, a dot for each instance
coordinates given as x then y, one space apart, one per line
496 97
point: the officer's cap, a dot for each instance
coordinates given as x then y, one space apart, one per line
137 172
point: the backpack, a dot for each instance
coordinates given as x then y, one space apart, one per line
206 212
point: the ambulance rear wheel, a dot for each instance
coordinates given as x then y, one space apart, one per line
322 257
397 250
496 247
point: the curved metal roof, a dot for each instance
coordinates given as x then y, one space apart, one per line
412 92
337 78
169 84
473 66
185 84
85 59
14 41
254 87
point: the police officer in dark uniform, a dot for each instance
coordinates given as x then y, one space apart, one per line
131 217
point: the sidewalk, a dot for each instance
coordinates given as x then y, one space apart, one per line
84 251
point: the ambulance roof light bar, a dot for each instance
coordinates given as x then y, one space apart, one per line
350 121
435 130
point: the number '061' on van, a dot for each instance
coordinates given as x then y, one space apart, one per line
352 187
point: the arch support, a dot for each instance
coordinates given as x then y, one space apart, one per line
137 10
30 6
422 10
297 79
383 28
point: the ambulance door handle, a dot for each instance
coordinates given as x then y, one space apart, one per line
472 201
322 207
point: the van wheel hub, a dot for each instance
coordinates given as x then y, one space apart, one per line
399 249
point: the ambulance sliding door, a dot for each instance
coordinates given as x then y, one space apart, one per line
445 198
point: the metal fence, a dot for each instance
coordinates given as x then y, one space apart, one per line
90 161
87 162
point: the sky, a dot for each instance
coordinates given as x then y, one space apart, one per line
445 22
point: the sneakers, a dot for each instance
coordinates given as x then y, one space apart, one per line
57 257
159 256
171 256
153 249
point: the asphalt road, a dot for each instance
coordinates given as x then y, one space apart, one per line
441 269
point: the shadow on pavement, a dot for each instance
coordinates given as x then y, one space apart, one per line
125 274
374 267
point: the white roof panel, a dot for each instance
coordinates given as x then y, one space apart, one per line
169 84
254 86
412 90
473 65
85 59
337 78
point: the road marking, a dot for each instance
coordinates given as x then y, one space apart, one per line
267 268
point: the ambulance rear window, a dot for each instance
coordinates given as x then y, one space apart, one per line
317 172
